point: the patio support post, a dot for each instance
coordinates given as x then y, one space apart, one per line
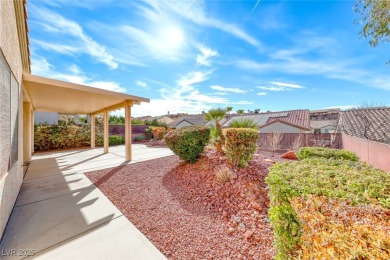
32 131
128 131
105 119
92 131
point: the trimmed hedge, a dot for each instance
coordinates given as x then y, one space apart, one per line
345 180
188 142
240 145
307 152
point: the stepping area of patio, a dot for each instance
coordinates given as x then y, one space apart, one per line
60 214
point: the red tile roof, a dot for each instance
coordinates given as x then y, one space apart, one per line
368 123
298 118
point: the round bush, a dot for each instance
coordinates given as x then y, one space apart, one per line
188 142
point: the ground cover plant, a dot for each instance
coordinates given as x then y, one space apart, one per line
308 152
329 208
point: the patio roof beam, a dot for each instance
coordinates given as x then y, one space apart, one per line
110 108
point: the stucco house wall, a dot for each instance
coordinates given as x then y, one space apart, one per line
279 127
10 177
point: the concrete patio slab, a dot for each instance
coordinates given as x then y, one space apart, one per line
60 214
119 239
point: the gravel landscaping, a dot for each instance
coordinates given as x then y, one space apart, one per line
187 213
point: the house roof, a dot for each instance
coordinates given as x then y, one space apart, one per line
259 118
298 118
59 96
369 123
316 124
192 119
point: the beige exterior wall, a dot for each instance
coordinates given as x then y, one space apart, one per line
11 179
278 127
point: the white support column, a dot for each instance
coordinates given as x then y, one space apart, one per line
128 131
93 131
105 132
27 131
32 130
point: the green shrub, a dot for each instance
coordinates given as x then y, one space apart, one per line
240 145
243 123
332 178
140 138
116 140
307 152
188 142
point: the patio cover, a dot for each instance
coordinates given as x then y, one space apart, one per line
46 94
59 96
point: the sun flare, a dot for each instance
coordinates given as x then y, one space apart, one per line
172 38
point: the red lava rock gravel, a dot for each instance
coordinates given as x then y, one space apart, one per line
187 213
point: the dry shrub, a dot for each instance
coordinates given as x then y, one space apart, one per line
333 229
224 174
297 143
158 132
274 141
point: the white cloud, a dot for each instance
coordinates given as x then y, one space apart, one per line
280 86
230 90
329 62
141 84
262 93
40 66
205 55
286 85
77 40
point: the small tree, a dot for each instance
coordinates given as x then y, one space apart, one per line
240 111
216 115
375 17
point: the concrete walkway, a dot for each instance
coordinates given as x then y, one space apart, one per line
60 214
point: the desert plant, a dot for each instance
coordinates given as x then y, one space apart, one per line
158 132
297 143
188 142
140 138
216 115
241 144
240 111
335 179
229 109
308 152
243 123
274 141
224 174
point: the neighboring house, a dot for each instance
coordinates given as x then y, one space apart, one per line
324 120
188 121
22 94
141 118
293 121
50 118
367 123
162 119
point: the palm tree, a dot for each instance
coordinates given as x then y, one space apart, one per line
229 109
243 123
240 111
216 115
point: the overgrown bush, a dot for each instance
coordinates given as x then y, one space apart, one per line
50 137
243 123
344 180
307 152
158 132
240 145
188 142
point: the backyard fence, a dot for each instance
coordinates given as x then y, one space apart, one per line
374 153
277 141
120 129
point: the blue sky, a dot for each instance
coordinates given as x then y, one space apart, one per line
189 56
